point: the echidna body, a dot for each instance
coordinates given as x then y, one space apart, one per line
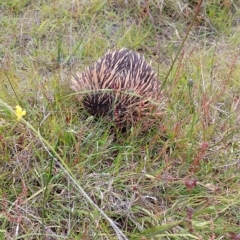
121 86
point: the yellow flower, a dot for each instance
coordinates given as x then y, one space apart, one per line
19 112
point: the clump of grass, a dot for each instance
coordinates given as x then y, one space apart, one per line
65 175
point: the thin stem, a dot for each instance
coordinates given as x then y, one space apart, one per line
183 42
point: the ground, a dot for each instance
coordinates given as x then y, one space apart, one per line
66 175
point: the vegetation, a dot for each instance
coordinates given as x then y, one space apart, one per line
64 175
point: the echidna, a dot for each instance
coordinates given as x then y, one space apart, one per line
121 85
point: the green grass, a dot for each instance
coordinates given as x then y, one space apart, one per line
66 176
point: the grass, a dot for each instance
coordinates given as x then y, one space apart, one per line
65 176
